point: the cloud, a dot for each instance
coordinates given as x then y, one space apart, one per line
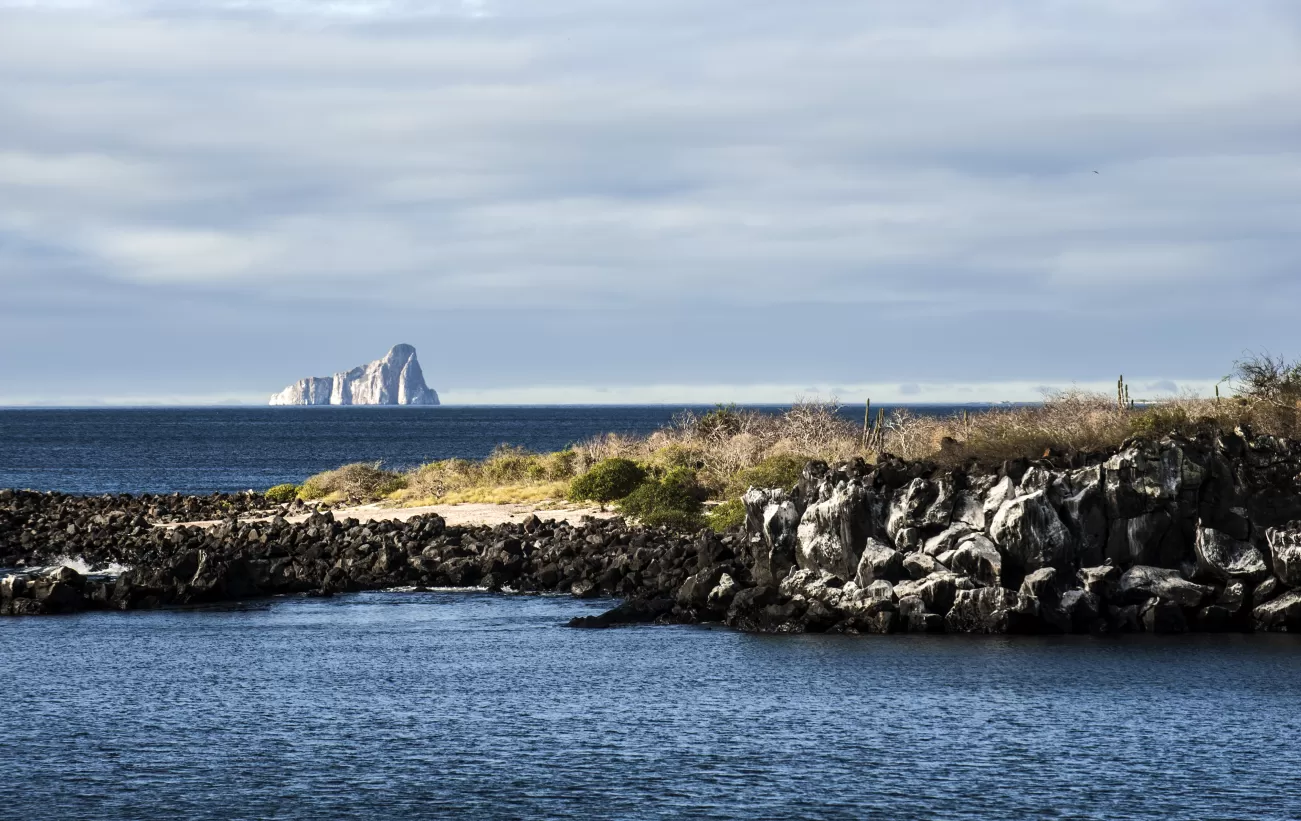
826 172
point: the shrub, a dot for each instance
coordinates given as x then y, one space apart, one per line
1160 420
673 501
678 455
727 516
358 482
722 421
282 493
608 480
553 467
1271 388
782 470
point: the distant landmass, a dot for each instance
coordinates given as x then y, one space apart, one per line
395 379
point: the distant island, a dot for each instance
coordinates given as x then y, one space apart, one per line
395 379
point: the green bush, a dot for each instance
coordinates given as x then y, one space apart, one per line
727 516
673 501
282 493
608 480
782 470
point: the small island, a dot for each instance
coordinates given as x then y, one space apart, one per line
394 379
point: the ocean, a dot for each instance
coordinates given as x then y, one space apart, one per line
479 706
203 450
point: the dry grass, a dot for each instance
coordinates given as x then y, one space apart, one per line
503 494
1068 422
509 474
727 441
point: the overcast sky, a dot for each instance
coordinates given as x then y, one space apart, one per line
658 200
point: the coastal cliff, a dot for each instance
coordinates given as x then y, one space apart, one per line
394 379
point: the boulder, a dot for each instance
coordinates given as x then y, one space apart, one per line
936 591
745 611
65 575
1030 534
58 596
13 586
1285 546
879 561
832 532
919 565
879 590
581 589
1265 591
947 540
1282 614
993 610
1141 583
1000 492
978 558
1098 579
1224 558
969 507
1162 616
814 585
633 611
907 511
914 617
773 545
1083 609
695 591
721 597
1149 539
1041 584
1233 597
940 512
1084 512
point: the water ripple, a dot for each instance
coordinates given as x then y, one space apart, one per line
417 705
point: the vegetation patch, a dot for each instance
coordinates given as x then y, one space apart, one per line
669 501
726 515
282 493
607 481
509 473
507 494
353 484
781 470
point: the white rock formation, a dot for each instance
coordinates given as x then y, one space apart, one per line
394 380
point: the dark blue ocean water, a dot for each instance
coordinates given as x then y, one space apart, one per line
465 705
201 450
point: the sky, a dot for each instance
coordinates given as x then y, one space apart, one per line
646 200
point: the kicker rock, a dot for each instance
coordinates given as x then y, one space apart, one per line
394 380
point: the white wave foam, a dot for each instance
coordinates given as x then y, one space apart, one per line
413 589
83 567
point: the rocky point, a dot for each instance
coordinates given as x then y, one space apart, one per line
1168 536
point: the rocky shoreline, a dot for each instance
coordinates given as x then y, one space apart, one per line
1179 535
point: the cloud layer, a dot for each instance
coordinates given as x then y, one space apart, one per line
208 199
